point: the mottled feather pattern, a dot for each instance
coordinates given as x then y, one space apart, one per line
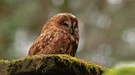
55 38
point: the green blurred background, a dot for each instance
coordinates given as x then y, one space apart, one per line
107 27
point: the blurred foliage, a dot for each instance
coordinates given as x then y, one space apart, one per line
122 71
107 30
124 68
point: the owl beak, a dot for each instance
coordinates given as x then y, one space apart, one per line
71 30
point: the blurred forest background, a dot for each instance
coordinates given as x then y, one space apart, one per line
107 27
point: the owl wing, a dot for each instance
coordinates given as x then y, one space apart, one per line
58 43
37 46
50 42
41 42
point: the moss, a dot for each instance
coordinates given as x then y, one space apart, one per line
3 66
52 65
4 61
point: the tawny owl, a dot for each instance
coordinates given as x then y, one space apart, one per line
59 35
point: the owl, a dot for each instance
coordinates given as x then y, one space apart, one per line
59 35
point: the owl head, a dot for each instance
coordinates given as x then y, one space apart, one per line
66 22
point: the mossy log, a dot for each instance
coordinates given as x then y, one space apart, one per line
50 65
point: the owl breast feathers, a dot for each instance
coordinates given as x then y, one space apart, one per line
59 35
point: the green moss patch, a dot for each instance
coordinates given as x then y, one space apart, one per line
59 64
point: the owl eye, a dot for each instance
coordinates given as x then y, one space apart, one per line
64 24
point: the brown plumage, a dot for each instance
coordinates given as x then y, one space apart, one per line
59 35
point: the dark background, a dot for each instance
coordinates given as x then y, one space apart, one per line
107 27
